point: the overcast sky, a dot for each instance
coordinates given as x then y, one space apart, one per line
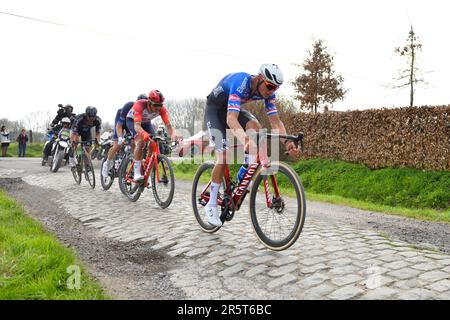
115 50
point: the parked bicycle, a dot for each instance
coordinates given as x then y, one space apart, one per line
277 199
84 165
156 167
124 152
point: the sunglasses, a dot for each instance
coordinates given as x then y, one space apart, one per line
155 104
270 86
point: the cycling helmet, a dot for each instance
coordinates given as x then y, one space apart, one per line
272 74
142 96
156 96
68 108
65 120
91 111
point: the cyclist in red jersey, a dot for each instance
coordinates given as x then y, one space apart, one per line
139 122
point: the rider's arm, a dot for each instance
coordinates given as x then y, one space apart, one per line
236 128
119 129
165 118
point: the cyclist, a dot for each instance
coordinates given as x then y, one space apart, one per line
139 122
223 110
81 127
120 128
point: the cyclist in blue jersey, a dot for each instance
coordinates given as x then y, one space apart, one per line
120 127
223 110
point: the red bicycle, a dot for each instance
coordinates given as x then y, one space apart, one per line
156 167
277 221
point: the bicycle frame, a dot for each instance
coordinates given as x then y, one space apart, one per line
151 159
240 191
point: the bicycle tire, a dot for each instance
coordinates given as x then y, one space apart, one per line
131 192
163 165
106 182
299 214
204 225
76 170
89 173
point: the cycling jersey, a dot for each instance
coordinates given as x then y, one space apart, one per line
140 113
121 117
82 127
234 90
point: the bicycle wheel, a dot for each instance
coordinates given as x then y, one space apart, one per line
164 189
89 171
131 190
278 227
201 179
109 179
76 171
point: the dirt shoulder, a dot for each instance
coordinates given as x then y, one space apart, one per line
127 270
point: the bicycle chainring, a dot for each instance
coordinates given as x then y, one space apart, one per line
228 208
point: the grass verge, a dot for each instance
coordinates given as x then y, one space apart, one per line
34 150
33 265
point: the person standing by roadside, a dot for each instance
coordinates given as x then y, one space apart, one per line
22 140
4 139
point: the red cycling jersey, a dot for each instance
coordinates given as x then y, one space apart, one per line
140 113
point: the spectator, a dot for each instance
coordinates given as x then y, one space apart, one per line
4 139
22 140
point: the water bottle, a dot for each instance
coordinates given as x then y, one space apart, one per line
243 169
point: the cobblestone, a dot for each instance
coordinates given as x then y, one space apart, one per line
328 261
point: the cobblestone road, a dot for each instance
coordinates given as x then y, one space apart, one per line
328 261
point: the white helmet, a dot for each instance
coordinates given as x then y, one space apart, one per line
272 74
65 120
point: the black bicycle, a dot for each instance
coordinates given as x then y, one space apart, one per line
84 164
124 152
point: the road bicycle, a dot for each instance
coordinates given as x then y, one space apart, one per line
84 164
277 199
124 152
156 167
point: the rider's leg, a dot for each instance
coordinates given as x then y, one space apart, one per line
74 139
109 163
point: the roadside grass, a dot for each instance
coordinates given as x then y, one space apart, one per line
406 192
33 265
34 150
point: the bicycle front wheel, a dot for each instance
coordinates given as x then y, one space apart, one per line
165 188
89 171
279 224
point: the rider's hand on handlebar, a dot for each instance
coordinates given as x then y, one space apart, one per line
291 148
145 135
120 140
178 139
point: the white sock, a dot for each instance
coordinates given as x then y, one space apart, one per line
213 193
137 166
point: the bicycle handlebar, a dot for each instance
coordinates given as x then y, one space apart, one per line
296 139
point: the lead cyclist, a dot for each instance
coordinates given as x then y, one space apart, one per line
223 110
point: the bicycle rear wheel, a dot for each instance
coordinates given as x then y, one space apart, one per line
76 171
130 189
89 171
109 179
165 188
278 227
201 180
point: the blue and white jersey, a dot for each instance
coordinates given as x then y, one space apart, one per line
234 90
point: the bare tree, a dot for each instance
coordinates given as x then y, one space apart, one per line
187 114
38 121
410 74
319 85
